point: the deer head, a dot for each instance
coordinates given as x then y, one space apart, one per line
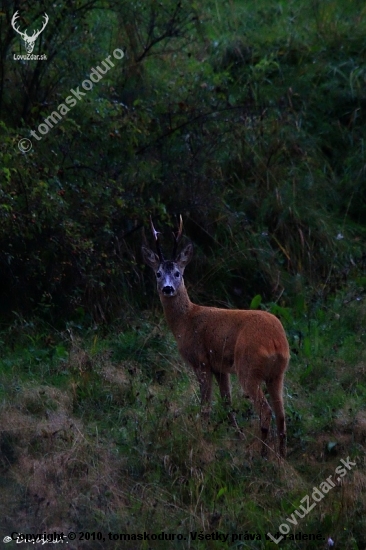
169 273
28 40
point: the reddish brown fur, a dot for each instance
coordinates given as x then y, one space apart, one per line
251 344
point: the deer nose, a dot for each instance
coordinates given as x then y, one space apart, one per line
168 290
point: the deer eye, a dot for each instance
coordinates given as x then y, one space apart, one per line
158 275
177 274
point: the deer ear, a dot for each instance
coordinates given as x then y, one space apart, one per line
185 256
150 258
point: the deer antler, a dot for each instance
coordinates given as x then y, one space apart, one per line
15 17
156 237
37 33
177 236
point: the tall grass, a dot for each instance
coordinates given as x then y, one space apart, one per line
109 437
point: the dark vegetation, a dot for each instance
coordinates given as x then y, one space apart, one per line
248 118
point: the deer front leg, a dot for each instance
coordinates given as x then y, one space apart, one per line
223 381
204 377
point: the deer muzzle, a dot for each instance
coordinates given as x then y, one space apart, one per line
168 290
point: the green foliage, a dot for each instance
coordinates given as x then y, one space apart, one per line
249 121
254 304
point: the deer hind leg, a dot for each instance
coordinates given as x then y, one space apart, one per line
251 385
275 389
223 381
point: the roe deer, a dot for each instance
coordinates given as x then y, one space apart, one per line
249 343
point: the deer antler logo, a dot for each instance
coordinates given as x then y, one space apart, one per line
28 40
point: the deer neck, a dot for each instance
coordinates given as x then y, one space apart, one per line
177 309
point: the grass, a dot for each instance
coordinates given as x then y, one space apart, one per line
107 437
